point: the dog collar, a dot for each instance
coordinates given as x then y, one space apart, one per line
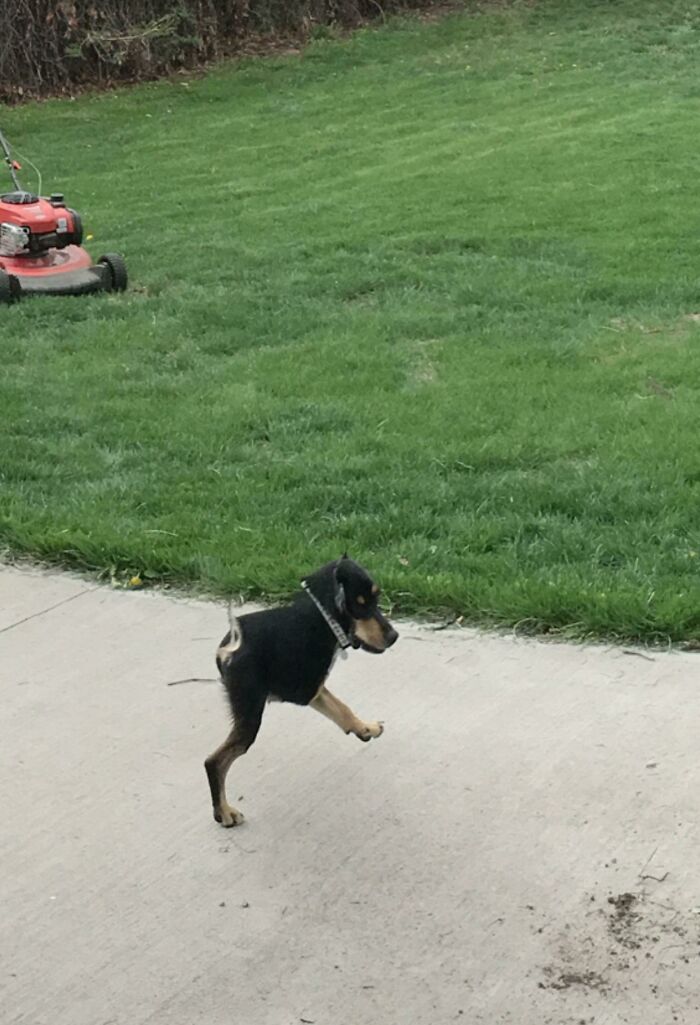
336 629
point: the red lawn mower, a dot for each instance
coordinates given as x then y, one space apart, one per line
41 246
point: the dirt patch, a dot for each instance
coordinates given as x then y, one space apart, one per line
565 980
422 358
622 920
625 942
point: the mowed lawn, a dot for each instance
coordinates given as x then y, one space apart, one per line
430 293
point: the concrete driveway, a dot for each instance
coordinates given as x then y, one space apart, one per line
520 846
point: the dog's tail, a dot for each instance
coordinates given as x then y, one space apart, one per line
226 651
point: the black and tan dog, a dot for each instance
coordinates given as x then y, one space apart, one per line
285 654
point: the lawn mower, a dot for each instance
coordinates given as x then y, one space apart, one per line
41 246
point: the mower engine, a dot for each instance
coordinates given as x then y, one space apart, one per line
30 226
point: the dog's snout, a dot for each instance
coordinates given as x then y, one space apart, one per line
391 637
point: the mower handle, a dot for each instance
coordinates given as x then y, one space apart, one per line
5 146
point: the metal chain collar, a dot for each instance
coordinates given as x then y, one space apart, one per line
337 630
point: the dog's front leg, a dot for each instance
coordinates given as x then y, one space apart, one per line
334 709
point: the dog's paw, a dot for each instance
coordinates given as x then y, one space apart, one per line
228 816
367 730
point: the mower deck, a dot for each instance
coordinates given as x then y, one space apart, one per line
68 271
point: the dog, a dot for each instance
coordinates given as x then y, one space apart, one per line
286 654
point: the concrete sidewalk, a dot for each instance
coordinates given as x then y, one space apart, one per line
520 846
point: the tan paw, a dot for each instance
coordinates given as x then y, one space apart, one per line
228 816
366 730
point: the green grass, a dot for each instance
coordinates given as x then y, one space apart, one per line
425 293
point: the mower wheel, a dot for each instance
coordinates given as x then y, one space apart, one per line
10 288
77 239
117 271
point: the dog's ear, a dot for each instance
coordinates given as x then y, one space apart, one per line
344 556
338 589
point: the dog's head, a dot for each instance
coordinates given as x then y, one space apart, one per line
357 596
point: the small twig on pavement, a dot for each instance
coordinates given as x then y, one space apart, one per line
648 860
193 679
658 879
638 654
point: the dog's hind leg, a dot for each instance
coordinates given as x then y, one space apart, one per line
334 709
247 719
